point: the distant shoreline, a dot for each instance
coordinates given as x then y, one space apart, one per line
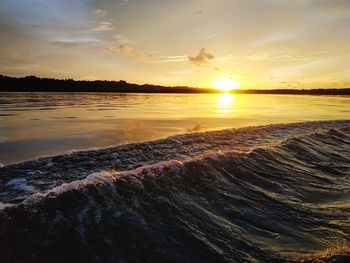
35 84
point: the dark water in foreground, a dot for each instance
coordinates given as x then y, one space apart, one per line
276 193
41 124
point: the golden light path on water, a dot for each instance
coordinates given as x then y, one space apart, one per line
225 102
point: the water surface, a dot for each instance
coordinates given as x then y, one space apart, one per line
38 124
273 193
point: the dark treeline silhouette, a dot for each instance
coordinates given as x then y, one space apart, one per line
34 84
296 91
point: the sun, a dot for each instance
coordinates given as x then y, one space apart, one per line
225 84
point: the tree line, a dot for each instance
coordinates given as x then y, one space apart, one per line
35 84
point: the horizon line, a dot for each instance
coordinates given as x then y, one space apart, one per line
163 86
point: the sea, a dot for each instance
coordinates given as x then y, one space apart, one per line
174 178
33 125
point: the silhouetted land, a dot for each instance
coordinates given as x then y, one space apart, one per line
34 84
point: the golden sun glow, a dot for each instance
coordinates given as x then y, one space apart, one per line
225 84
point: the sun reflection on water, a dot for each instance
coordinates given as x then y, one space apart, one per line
225 102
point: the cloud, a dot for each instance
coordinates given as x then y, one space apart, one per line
203 57
282 57
100 13
172 59
122 39
125 49
103 26
129 51
73 43
145 56
102 21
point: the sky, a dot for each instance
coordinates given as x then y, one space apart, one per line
260 44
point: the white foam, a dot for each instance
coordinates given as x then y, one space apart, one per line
100 177
173 165
20 184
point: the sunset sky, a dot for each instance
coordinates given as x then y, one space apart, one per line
259 44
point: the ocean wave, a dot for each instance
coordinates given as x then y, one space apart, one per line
277 193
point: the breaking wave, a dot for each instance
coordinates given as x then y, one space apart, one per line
277 193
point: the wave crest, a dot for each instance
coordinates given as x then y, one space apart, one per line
287 201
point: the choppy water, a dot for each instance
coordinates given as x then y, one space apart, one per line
275 193
37 124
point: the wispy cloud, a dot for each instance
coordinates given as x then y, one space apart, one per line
73 43
277 57
100 13
203 57
103 26
144 55
129 51
102 21
169 59
122 39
